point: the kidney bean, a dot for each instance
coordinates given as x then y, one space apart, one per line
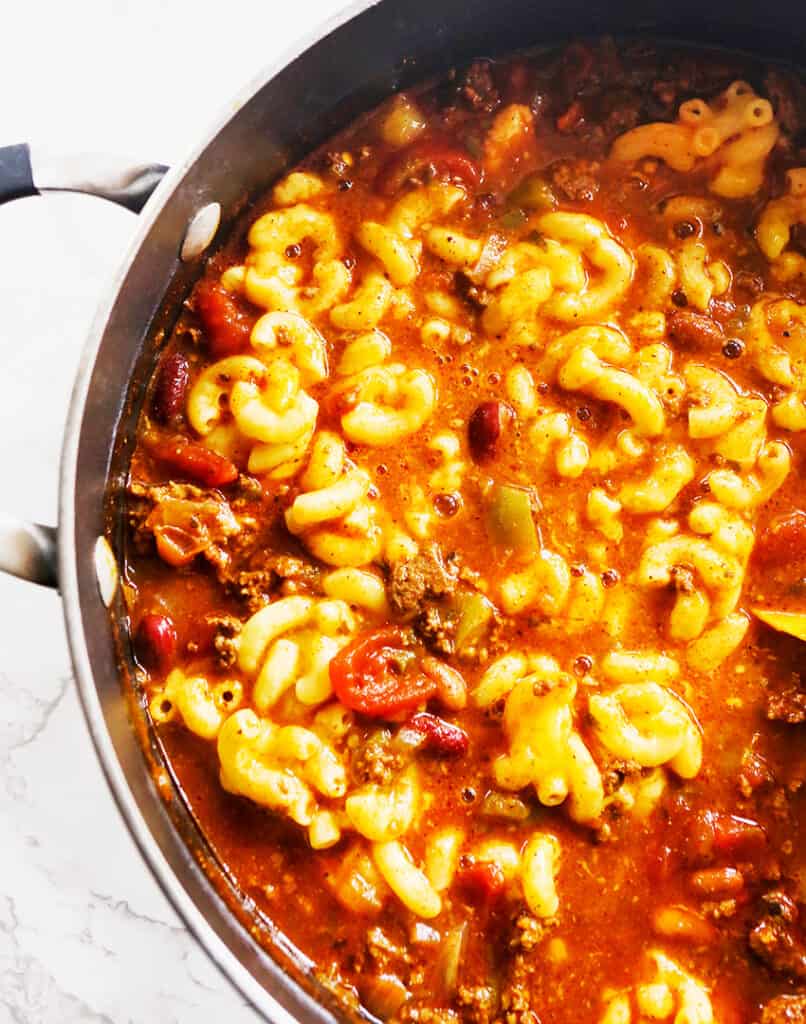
483 880
684 925
197 463
716 883
226 325
173 377
441 737
485 427
740 836
695 329
698 842
712 834
155 641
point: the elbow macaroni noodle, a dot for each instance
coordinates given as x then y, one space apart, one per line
389 403
382 814
669 994
273 281
546 750
734 135
332 513
578 272
689 267
290 643
202 707
540 864
775 225
591 359
777 344
707 568
647 723
285 768
735 423
672 469
264 396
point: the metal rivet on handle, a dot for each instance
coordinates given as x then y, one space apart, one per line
106 570
201 231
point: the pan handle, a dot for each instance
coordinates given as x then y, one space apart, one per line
28 550
30 171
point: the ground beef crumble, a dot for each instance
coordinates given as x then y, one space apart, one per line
376 762
477 87
257 586
777 939
225 630
785 1009
576 180
437 629
413 581
527 932
787 705
478 1003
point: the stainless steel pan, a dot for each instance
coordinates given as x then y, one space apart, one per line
342 69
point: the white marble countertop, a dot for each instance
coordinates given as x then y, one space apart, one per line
85 934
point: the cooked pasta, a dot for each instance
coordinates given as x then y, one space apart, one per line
467 547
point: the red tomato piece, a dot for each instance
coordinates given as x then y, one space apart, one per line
370 676
226 325
197 463
784 540
483 881
446 161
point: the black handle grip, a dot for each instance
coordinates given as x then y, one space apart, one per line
116 178
16 175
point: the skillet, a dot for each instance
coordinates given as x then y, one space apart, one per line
346 66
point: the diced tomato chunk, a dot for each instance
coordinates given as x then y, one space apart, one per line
377 675
483 881
784 540
195 462
227 326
